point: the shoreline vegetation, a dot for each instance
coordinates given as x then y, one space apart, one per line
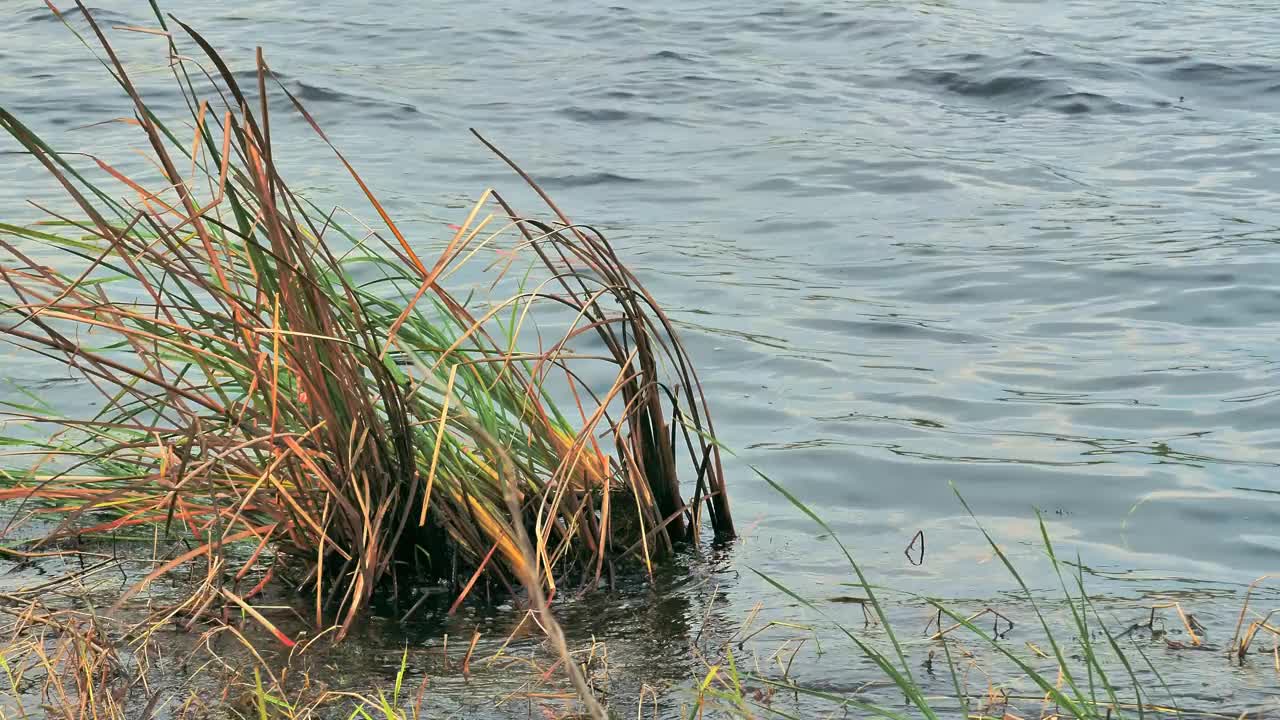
357 435
308 404
1038 653
295 422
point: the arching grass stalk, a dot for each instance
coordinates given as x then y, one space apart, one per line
254 395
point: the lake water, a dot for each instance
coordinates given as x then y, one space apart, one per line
1028 249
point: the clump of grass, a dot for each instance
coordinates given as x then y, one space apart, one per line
351 436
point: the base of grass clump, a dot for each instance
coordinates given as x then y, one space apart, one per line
1021 652
293 424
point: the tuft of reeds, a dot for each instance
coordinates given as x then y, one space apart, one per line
292 421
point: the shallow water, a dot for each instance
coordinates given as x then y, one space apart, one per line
1028 249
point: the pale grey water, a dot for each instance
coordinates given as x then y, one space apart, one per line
1028 248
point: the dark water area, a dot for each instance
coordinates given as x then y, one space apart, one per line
1024 249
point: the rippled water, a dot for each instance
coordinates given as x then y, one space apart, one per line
1027 248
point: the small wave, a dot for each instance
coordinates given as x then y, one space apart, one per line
773 184
307 92
1158 59
778 12
604 115
1078 103
587 179
776 227
889 329
1211 72
1017 91
315 93
1243 81
101 16
246 77
1002 86
906 184
671 55
703 79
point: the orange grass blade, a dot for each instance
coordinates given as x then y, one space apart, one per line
263 621
435 453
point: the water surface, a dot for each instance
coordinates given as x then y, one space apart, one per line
1023 249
